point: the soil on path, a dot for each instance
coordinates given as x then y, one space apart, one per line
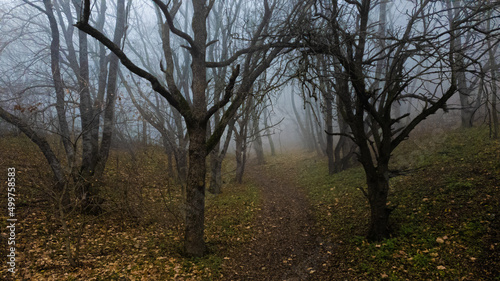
285 246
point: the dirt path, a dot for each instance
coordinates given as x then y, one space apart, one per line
285 246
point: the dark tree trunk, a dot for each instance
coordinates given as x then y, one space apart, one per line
343 149
181 164
240 155
494 97
195 193
144 133
86 112
194 243
377 180
329 137
494 109
379 217
216 161
170 154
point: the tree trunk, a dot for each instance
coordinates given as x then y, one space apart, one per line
343 148
144 133
195 193
329 129
197 131
169 153
259 150
493 73
464 92
378 189
216 160
240 163
215 172
268 133
109 112
181 165
494 109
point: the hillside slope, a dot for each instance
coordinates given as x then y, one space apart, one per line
446 225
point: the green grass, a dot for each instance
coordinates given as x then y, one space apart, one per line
446 225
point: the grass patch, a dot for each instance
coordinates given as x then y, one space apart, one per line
446 224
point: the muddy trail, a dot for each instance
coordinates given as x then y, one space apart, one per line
285 245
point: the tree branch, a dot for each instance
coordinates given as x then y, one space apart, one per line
164 8
227 96
177 101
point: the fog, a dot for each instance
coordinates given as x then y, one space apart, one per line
288 61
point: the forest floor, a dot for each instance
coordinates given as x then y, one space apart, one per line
285 245
446 225
289 220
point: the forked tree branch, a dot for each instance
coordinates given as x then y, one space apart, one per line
227 96
176 100
164 8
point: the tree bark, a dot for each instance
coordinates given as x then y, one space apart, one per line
215 173
493 73
378 189
195 193
86 110
216 158
194 243
240 142
328 97
268 133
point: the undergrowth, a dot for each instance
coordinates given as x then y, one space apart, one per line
447 222
139 235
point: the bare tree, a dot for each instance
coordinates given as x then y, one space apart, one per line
198 113
422 42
